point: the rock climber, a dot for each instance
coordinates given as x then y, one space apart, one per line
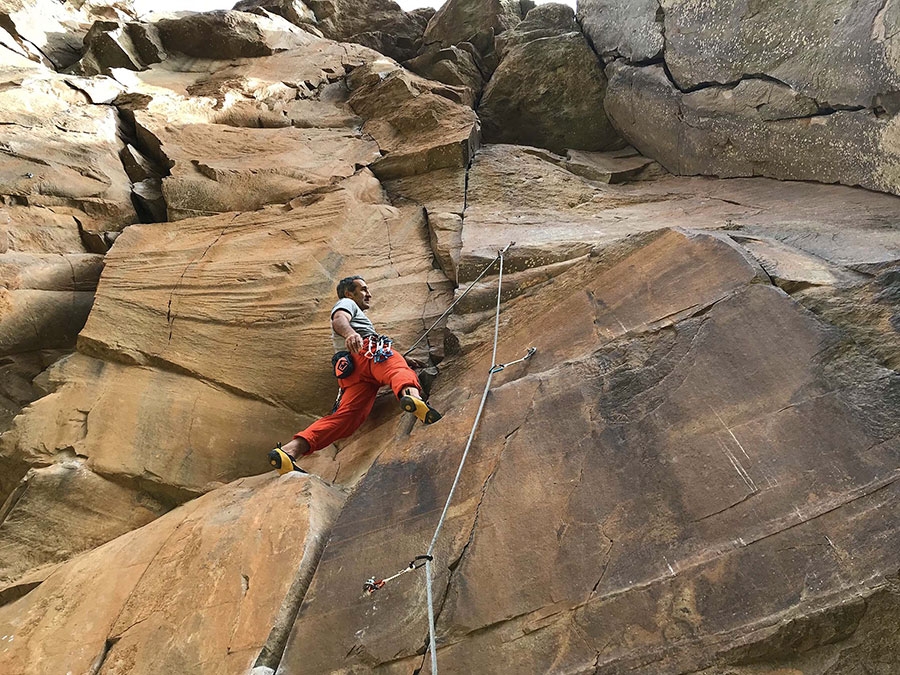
363 362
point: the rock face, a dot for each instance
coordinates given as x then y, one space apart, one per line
750 87
641 509
168 581
544 93
696 472
379 24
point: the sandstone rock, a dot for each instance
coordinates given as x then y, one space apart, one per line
633 30
612 167
109 45
462 20
445 230
44 300
548 20
416 127
453 66
203 584
726 132
378 24
294 11
225 34
62 151
64 509
679 412
545 93
838 52
43 30
220 168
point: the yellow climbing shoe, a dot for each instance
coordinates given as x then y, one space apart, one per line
283 462
420 409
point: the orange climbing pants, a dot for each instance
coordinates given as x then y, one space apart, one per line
357 397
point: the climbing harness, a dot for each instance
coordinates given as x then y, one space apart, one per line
378 348
372 585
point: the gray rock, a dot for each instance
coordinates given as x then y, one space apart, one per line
294 11
451 65
753 129
462 20
630 29
840 52
546 93
110 44
544 21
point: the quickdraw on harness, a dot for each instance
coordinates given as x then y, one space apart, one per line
378 348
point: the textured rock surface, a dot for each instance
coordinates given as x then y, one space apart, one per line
467 20
696 472
419 127
545 93
60 150
641 507
201 587
755 128
749 90
632 29
379 24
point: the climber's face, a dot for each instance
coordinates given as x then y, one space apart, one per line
360 294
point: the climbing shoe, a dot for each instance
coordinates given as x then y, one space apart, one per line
420 409
283 462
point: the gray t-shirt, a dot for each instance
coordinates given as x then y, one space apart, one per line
358 322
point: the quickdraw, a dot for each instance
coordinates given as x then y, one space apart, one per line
378 348
418 562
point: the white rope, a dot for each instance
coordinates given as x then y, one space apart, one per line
455 302
372 585
428 556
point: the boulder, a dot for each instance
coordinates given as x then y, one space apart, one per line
756 128
225 34
462 20
378 24
547 20
545 93
109 44
632 30
671 489
214 582
455 66
839 52
418 125
294 11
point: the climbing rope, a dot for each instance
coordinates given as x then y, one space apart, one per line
372 584
465 293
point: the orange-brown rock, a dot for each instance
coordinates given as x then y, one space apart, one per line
419 125
698 455
165 599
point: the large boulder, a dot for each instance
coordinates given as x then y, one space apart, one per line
757 127
214 582
467 20
784 89
378 24
224 34
545 93
632 29
419 125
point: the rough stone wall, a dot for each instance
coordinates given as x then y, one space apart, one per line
791 90
695 473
